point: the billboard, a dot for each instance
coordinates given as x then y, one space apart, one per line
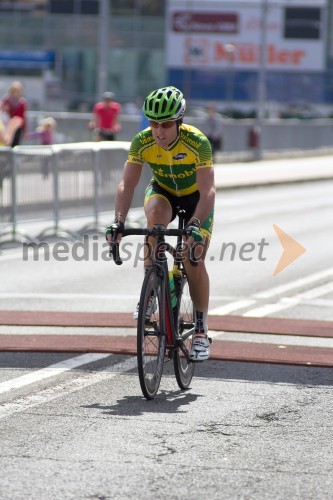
27 59
213 34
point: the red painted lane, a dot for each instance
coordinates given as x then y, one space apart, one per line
62 318
222 350
275 326
69 343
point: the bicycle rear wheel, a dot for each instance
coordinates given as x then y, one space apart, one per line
151 340
184 368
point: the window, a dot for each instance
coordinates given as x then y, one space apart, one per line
134 7
90 7
302 23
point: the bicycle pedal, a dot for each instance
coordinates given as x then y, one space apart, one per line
169 355
195 361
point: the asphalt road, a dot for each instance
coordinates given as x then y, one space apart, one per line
76 426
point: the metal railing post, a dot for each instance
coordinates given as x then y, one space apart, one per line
56 191
13 157
97 183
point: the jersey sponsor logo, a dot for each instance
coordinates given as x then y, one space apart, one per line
179 156
146 140
136 160
182 175
196 144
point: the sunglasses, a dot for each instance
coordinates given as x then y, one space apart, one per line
167 124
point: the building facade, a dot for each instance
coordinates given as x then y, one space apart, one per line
67 51
55 47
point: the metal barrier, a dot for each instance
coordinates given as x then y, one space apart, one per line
53 183
277 135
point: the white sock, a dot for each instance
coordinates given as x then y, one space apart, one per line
201 321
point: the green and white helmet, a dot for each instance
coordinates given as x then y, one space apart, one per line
164 104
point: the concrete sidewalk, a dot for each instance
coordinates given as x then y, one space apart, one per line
275 171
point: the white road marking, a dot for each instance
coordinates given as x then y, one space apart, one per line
318 303
232 306
50 371
272 292
48 394
286 302
70 296
311 278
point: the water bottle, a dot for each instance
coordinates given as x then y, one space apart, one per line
172 290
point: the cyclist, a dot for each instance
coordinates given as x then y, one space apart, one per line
180 158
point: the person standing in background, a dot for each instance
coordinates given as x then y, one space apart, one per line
7 132
44 132
14 104
212 127
105 122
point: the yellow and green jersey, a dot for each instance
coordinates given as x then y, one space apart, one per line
175 168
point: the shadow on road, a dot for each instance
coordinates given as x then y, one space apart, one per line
224 370
271 373
165 402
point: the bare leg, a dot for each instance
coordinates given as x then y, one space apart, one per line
158 211
199 286
198 278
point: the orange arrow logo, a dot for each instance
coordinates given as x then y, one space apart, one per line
291 250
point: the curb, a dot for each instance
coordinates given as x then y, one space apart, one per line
274 171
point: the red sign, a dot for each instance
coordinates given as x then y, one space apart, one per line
197 22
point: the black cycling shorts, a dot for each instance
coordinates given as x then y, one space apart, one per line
187 203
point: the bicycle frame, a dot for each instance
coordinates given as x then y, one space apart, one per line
168 318
174 340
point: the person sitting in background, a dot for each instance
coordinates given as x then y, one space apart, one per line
105 122
15 105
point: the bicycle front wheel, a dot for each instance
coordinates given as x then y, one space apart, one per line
184 368
151 340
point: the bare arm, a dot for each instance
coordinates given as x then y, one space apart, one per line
206 187
3 137
126 188
7 134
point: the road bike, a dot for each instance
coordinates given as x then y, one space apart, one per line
166 317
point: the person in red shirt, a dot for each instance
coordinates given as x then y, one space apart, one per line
14 104
106 118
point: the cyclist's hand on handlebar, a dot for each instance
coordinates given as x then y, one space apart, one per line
113 235
114 232
192 231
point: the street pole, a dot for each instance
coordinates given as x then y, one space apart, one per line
230 49
103 47
261 89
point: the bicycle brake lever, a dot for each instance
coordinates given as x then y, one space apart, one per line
193 260
114 253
